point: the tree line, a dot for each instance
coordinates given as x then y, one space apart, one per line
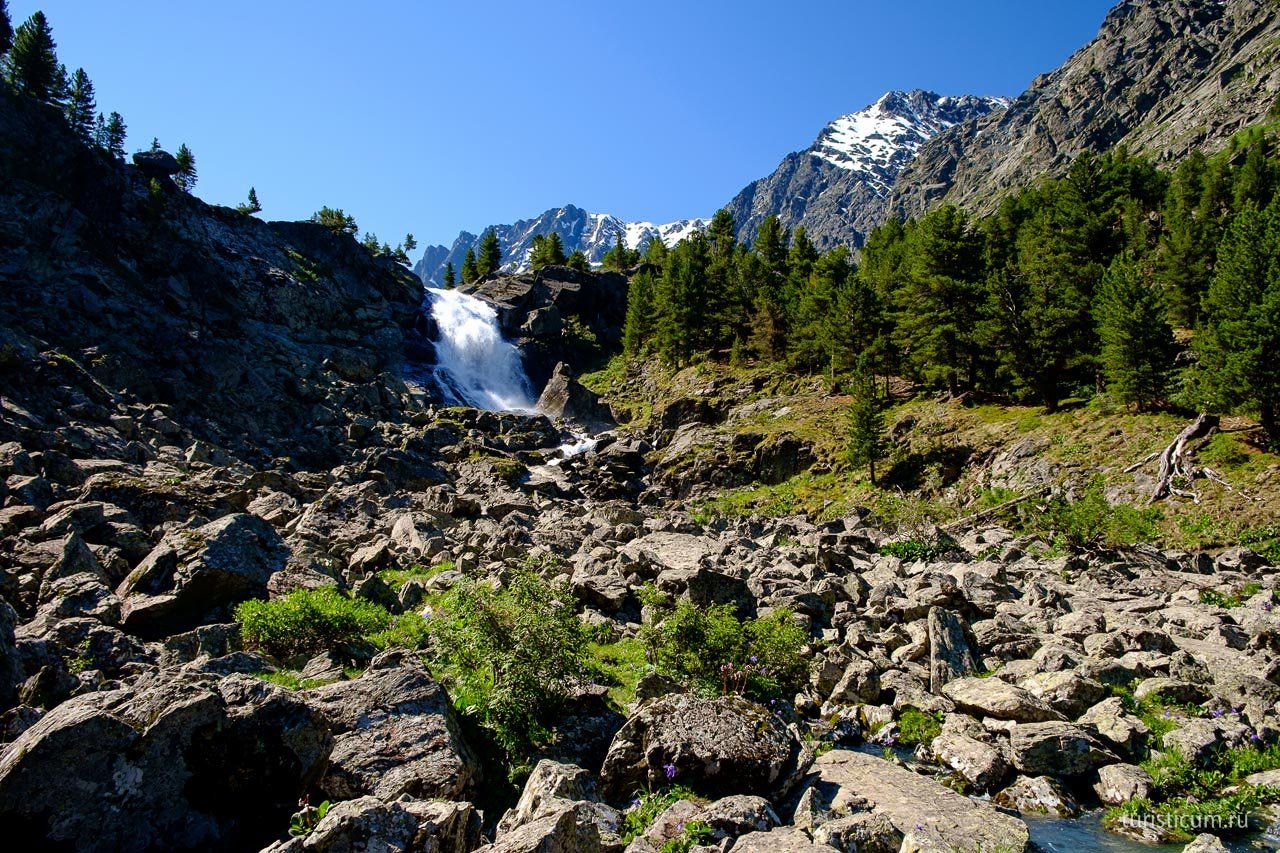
1160 288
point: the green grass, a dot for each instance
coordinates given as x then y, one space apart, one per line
292 680
396 578
619 666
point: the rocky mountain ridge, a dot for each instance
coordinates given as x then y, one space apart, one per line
593 234
1162 77
837 187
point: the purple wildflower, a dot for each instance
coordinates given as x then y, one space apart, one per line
670 770
753 658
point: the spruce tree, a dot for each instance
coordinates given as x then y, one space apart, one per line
6 28
81 105
490 258
115 135
547 251
865 442
637 331
100 132
618 258
33 59
450 280
1189 241
680 299
1240 337
578 261
186 177
470 271
410 243
1138 348
252 205
938 303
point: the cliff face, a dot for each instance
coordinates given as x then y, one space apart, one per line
1162 77
268 338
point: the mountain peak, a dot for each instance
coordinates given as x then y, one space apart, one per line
880 139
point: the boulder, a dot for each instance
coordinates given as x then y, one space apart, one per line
981 764
156 164
166 763
1056 749
950 655
991 697
863 832
1120 783
565 397
368 824
395 733
731 817
915 803
786 839
192 576
548 781
1037 795
567 827
718 746
1116 726
1066 692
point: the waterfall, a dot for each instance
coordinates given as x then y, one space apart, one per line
475 365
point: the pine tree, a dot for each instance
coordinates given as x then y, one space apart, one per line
865 443
637 331
81 105
619 258
811 343
450 280
938 304
1138 348
1240 336
1189 242
410 243
578 261
186 177
680 300
490 258
254 205
470 271
336 221
115 135
6 28
33 59
547 250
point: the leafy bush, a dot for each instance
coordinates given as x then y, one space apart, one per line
1090 520
646 807
309 621
694 833
910 550
513 653
916 726
714 650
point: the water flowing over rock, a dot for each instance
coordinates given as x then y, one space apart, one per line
475 365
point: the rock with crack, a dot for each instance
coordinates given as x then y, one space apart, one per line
718 746
395 733
914 803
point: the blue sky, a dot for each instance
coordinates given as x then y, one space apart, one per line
432 117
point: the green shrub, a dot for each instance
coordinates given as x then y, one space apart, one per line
308 621
910 550
714 650
695 832
916 726
513 654
646 807
1090 520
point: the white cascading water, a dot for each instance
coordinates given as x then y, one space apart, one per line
475 365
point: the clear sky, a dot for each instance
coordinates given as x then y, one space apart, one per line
433 117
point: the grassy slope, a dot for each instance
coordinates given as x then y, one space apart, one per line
939 467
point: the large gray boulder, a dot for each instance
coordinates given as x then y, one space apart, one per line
950 655
368 824
991 697
395 733
716 746
914 803
1057 749
192 576
168 763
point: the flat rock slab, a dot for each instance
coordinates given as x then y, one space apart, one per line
910 800
673 550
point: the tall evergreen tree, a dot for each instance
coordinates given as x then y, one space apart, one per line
186 177
252 205
1240 337
33 59
489 260
6 28
680 300
81 106
938 304
577 260
115 135
637 331
619 258
1138 348
1189 242
865 442
547 251
470 270
450 280
812 341
410 243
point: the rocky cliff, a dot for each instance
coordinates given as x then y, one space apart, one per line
1162 77
130 304
837 187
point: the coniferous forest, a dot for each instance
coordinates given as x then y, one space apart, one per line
1161 288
